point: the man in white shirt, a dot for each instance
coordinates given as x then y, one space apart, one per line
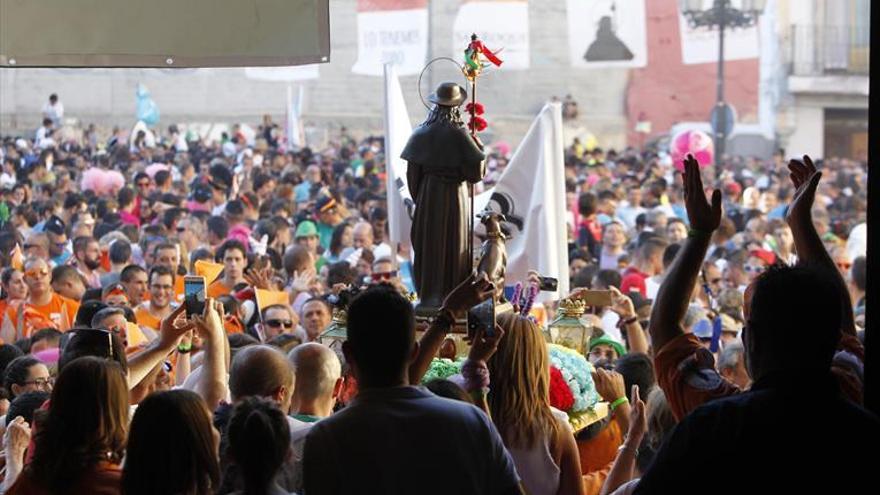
632 208
613 242
392 437
44 132
54 110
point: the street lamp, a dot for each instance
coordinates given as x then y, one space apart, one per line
723 15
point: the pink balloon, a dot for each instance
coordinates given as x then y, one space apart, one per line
697 143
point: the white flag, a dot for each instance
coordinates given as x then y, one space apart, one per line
397 131
531 195
295 134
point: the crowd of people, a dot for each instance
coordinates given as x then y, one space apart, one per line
734 333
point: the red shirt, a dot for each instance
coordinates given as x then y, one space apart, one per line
634 280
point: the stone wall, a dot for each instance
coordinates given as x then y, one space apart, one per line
338 97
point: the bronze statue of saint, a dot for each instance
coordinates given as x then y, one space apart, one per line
441 159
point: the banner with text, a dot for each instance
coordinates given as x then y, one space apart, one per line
391 31
606 33
501 25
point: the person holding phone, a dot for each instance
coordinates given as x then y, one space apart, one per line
538 437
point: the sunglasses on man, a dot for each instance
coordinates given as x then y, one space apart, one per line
383 276
276 323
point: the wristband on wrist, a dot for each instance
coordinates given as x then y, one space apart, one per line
627 322
444 318
619 402
184 348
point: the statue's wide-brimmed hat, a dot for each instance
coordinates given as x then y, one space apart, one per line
448 94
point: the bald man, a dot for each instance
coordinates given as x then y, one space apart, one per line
261 371
319 381
363 236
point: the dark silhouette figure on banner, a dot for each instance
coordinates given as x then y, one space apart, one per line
607 47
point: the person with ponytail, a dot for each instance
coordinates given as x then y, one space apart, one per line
259 443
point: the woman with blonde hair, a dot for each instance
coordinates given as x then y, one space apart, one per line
539 437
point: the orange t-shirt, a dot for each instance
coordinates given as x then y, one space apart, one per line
16 324
218 288
145 319
60 310
598 451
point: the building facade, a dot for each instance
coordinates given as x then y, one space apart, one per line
825 111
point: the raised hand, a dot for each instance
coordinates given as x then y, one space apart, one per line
210 323
609 384
469 293
18 435
483 346
704 217
621 304
261 279
805 179
638 423
302 281
174 326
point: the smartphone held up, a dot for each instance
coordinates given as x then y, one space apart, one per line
194 295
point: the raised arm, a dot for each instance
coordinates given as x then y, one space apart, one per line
211 384
468 294
674 294
807 242
172 328
625 462
629 321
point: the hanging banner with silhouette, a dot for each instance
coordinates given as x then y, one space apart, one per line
607 33
391 31
502 26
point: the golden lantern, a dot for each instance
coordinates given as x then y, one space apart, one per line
569 329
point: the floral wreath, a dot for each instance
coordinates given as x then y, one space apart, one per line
571 387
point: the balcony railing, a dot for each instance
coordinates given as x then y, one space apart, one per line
816 50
